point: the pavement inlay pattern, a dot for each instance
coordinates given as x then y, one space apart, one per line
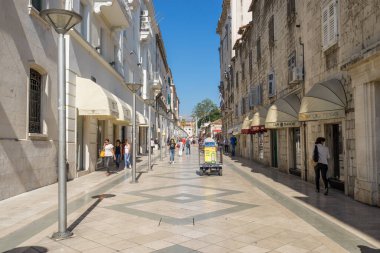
170 211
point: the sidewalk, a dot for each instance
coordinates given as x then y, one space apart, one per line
359 219
22 215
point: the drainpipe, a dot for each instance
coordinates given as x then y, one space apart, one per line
303 91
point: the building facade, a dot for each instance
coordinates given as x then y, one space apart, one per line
118 42
305 69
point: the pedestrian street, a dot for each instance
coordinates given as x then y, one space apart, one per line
173 209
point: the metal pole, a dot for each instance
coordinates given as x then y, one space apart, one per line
161 146
62 175
134 140
149 141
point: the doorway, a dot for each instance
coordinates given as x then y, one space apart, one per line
334 142
100 136
273 139
295 142
80 144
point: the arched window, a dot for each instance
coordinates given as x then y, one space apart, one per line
35 83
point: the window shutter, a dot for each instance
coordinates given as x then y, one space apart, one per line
332 22
325 25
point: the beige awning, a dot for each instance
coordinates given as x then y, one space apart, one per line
93 100
125 112
141 119
246 126
237 130
284 113
326 100
258 120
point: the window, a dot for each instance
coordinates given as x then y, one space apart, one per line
37 4
35 88
250 64
84 26
329 25
243 71
258 48
291 65
271 31
237 80
255 96
291 10
271 85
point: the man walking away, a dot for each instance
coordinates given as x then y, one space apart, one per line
233 141
320 155
188 145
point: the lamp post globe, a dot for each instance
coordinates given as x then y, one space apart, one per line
62 21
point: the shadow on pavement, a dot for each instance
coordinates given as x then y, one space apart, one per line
363 217
89 210
365 249
28 249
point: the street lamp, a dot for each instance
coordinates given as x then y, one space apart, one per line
62 21
149 102
134 87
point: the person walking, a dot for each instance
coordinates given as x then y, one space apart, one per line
127 155
172 145
188 146
108 154
152 145
180 148
117 153
233 142
320 155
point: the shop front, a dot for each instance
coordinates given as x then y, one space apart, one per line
261 137
323 109
282 120
246 144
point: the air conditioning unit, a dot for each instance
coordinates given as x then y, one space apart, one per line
145 13
296 75
145 19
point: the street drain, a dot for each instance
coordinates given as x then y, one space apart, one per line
193 222
159 223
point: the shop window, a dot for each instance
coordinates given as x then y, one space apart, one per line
271 32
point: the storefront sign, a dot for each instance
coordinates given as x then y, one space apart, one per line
308 116
257 129
282 124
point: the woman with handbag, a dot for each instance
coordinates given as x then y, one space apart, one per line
109 154
127 154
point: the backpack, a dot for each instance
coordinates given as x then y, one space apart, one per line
315 154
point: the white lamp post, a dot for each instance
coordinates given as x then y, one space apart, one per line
149 102
134 87
62 21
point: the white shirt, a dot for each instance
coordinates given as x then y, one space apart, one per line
108 150
323 153
126 149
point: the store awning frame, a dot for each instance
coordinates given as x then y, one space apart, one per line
93 100
125 112
258 120
284 113
325 100
246 126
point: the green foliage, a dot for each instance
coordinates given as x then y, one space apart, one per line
205 111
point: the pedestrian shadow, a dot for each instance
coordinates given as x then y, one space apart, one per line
365 249
28 249
89 210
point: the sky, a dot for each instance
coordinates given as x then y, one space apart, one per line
188 28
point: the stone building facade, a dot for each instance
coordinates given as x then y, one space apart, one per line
312 68
117 42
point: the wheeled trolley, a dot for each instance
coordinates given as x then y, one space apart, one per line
210 158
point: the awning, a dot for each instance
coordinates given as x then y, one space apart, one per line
141 120
93 100
258 120
284 113
326 100
246 126
236 130
125 111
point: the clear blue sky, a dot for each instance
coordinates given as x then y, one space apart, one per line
188 29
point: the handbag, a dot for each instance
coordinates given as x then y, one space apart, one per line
102 153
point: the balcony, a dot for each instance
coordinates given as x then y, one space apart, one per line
116 12
157 81
145 28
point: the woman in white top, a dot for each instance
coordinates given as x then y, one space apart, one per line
322 164
127 155
180 147
108 154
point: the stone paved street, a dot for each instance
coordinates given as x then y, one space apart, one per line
172 209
